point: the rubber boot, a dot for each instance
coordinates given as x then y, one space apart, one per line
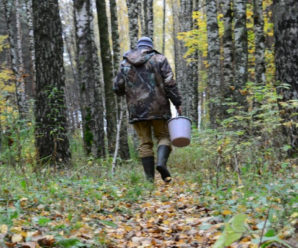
163 153
148 165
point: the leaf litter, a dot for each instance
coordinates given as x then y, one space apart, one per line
105 215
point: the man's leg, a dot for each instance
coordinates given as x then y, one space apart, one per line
161 132
143 129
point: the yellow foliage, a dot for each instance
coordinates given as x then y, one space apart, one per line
5 76
220 25
196 39
269 31
3 43
250 39
6 89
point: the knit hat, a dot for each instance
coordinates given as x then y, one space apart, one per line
145 41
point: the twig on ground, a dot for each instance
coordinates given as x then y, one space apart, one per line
263 229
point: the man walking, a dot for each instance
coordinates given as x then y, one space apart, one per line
146 79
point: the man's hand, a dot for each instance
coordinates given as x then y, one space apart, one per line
179 110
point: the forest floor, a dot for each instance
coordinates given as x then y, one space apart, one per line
70 210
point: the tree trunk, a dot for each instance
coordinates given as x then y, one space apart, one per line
259 42
241 53
141 15
164 27
14 53
194 86
50 131
228 68
178 62
4 54
28 4
90 94
132 8
107 66
215 98
286 59
148 11
20 89
72 84
123 148
185 69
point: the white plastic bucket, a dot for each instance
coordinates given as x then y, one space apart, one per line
180 131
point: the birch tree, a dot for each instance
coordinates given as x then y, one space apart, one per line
148 18
228 69
21 94
259 42
285 16
141 14
177 46
195 75
241 53
215 99
107 66
10 10
28 6
4 53
164 26
185 69
123 139
50 131
132 8
90 93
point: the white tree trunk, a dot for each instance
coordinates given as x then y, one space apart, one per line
88 76
228 73
241 53
20 83
214 86
259 42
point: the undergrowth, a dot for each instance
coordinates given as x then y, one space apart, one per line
228 171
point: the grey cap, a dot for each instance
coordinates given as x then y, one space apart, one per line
145 41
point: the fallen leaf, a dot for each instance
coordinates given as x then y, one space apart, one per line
226 212
16 238
3 229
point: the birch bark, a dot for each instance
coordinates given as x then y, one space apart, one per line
241 53
20 88
195 76
141 15
15 52
90 92
123 139
132 8
176 42
285 14
259 42
28 5
228 72
185 68
149 19
214 87
4 54
50 131
107 66
164 26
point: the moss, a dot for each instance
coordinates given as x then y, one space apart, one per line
88 136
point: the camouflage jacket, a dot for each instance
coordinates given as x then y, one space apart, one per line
147 81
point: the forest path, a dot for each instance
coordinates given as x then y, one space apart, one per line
66 212
170 217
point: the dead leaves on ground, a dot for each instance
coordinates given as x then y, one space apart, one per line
171 216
